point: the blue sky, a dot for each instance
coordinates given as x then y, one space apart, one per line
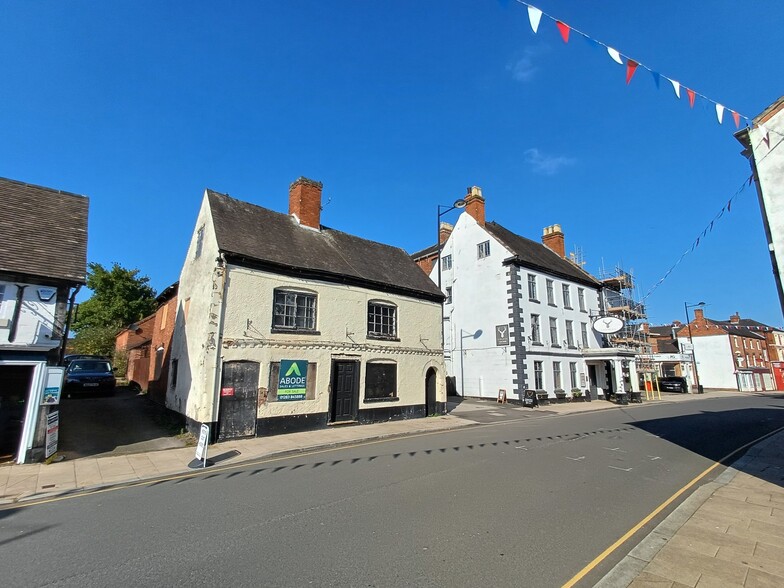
397 106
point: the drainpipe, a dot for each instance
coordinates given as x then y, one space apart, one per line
67 328
17 311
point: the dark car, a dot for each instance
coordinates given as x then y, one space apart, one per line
89 375
673 384
69 358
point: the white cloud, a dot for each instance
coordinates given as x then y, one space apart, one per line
546 164
524 69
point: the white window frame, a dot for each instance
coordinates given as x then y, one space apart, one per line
539 375
581 298
446 262
584 333
557 375
567 295
554 332
483 249
573 374
536 329
550 287
570 333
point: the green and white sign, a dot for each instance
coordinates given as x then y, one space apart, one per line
292 379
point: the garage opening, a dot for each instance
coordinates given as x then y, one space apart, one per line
15 383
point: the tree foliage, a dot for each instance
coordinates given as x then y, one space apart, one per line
120 297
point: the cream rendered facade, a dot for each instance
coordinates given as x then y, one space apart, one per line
225 314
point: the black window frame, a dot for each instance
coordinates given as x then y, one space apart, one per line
376 379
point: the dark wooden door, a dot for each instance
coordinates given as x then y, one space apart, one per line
430 392
345 391
238 400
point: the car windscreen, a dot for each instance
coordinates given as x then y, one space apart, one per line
89 366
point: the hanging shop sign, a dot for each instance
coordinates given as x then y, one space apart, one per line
292 379
502 335
607 325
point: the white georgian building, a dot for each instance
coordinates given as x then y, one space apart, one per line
518 314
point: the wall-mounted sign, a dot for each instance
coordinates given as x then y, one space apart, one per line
53 385
607 325
52 432
228 391
502 334
46 294
292 379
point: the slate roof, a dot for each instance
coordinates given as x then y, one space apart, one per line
537 256
662 330
43 232
256 233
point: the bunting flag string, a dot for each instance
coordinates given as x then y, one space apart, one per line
696 243
535 17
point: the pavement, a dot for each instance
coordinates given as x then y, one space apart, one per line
729 532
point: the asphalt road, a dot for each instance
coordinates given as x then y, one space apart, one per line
523 503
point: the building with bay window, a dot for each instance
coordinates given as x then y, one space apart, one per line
284 324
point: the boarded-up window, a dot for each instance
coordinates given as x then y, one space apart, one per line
380 380
310 385
164 316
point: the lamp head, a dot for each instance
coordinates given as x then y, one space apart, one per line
459 203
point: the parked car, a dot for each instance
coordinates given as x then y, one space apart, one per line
673 384
69 358
89 375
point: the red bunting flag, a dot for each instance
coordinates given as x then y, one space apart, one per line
564 28
631 65
691 95
736 118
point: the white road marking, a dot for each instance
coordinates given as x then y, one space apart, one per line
653 457
576 458
622 469
521 447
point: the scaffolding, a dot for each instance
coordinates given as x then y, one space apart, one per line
619 298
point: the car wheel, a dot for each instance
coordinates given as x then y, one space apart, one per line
684 388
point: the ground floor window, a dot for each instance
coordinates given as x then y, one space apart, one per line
380 381
310 382
538 376
557 375
573 374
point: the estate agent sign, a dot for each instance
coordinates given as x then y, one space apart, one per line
293 379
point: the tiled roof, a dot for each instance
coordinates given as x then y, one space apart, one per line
536 256
256 233
43 232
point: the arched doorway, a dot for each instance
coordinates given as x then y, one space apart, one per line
431 406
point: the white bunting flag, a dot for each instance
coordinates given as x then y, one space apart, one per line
616 57
719 112
534 15
677 87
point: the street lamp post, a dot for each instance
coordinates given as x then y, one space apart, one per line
693 358
459 203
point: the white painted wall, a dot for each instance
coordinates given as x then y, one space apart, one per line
769 158
36 317
195 337
480 302
715 364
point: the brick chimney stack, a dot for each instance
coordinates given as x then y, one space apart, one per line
475 204
305 202
735 318
444 230
553 239
699 315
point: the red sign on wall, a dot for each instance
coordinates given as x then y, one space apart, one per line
227 391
